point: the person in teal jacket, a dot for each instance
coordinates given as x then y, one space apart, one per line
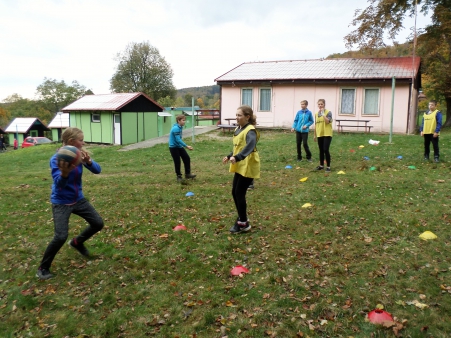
177 149
301 124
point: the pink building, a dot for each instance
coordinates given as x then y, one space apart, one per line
354 89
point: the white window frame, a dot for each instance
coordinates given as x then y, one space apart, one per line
378 100
353 104
242 96
260 99
95 117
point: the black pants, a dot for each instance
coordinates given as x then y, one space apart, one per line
323 146
239 190
61 214
178 153
428 138
302 138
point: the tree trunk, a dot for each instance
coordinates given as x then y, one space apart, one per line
448 112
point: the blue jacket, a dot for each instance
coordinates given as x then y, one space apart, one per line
175 137
69 190
303 118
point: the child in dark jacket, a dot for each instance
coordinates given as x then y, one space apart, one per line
67 198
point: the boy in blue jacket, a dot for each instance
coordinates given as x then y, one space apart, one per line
177 149
302 123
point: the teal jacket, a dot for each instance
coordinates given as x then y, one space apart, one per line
303 118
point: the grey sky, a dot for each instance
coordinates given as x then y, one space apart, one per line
201 39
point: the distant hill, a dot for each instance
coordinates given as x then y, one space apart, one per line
199 91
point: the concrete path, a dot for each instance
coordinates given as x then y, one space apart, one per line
165 139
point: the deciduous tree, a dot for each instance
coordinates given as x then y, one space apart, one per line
434 43
141 68
55 95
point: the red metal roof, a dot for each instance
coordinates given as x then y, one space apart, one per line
324 69
106 102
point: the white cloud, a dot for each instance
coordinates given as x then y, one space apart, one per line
201 39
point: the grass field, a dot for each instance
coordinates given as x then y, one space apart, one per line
314 272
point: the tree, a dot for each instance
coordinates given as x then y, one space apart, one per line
17 106
56 95
141 68
5 117
434 44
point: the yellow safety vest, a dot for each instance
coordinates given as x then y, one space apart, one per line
430 122
250 166
322 129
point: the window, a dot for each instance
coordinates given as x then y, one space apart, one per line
95 117
265 99
246 97
347 102
371 102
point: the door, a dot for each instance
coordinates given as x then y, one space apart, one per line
117 129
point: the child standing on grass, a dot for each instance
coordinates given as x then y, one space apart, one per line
177 149
301 124
430 130
244 162
67 198
323 134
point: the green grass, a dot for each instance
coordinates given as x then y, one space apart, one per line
314 272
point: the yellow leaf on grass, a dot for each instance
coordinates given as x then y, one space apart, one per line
428 235
379 307
303 179
307 205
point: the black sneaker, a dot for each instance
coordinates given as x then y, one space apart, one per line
240 227
320 167
179 179
251 187
327 170
189 176
309 160
426 158
299 159
436 160
44 274
79 247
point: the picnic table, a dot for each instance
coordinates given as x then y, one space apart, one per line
230 119
349 123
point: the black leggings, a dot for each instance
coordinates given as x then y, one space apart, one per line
324 145
239 190
428 138
178 153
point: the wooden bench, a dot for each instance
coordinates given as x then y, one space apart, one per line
225 127
353 124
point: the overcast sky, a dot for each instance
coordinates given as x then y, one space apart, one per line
201 39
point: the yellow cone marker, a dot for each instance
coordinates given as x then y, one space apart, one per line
341 172
303 179
428 235
307 205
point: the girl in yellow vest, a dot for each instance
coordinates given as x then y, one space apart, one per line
244 162
430 130
323 134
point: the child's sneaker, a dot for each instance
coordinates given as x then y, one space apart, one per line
240 227
44 274
179 179
436 159
320 167
190 176
79 247
328 170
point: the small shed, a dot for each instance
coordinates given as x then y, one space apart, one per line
58 124
121 118
22 127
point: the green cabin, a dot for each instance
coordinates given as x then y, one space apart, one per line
121 118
